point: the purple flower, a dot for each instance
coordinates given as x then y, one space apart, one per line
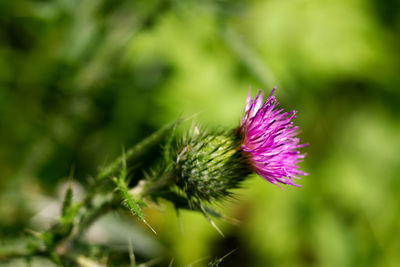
269 142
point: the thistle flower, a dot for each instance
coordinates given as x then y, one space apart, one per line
269 142
208 166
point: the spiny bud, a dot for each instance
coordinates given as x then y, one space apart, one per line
209 165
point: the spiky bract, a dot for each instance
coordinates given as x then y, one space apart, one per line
209 165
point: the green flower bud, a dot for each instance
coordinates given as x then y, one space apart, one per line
208 166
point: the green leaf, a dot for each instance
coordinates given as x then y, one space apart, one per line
131 203
67 203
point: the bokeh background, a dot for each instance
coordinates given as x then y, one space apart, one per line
81 79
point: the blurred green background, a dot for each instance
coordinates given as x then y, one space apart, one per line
81 79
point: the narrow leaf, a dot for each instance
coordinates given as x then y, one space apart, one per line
67 203
131 203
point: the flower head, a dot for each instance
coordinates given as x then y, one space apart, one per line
269 142
209 165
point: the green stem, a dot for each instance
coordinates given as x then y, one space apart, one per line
134 153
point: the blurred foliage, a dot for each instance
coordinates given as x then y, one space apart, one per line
81 79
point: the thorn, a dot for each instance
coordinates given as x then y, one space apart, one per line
148 225
216 227
211 221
